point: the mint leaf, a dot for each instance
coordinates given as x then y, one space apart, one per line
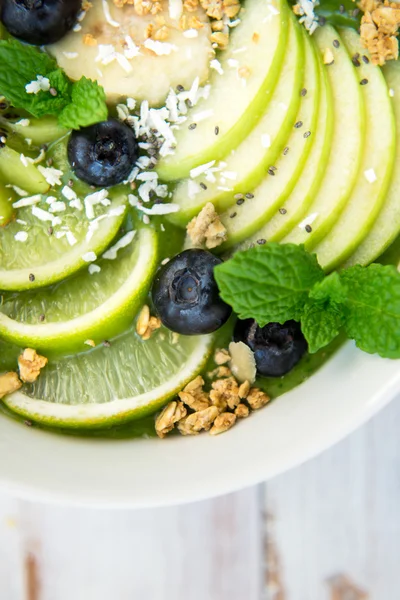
19 65
88 105
331 288
320 324
269 283
44 103
78 105
373 308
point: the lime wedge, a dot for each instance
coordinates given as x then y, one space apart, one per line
92 305
107 386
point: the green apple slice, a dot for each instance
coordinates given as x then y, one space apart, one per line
91 305
17 170
373 180
238 97
342 167
242 170
296 206
387 224
243 220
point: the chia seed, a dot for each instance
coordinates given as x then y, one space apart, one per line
107 344
3 105
28 423
31 277
180 88
216 130
356 12
365 59
50 231
322 21
192 125
71 183
363 81
261 242
203 186
307 134
336 43
303 92
53 91
342 9
249 196
285 151
308 228
298 124
240 201
42 318
233 215
355 60
271 171
283 211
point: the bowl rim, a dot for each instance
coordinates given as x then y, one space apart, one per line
95 473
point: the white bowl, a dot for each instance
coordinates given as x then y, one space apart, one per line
342 395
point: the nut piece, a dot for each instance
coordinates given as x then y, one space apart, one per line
171 414
193 395
30 363
328 57
257 398
222 423
197 421
225 393
243 363
221 356
146 324
9 383
219 372
207 228
242 411
244 389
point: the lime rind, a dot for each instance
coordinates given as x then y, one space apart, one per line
126 282
118 410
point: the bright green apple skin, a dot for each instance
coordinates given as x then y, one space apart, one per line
236 103
242 170
386 227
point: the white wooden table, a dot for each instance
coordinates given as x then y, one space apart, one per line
328 530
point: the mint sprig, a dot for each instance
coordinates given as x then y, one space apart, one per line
282 282
77 104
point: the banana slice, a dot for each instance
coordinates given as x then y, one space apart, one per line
138 55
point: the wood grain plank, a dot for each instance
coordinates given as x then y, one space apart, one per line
206 550
335 521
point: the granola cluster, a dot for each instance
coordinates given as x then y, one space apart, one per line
206 229
379 26
220 13
30 364
216 410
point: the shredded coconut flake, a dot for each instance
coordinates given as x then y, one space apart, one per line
51 175
21 236
89 257
42 215
160 48
111 253
201 169
159 209
94 269
107 15
309 220
29 201
370 175
40 84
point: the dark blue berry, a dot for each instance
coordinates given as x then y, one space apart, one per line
277 348
103 154
186 295
39 21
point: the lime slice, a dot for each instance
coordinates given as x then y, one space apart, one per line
35 253
107 386
93 305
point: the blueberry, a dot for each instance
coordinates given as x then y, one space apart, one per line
186 295
277 348
103 154
39 21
